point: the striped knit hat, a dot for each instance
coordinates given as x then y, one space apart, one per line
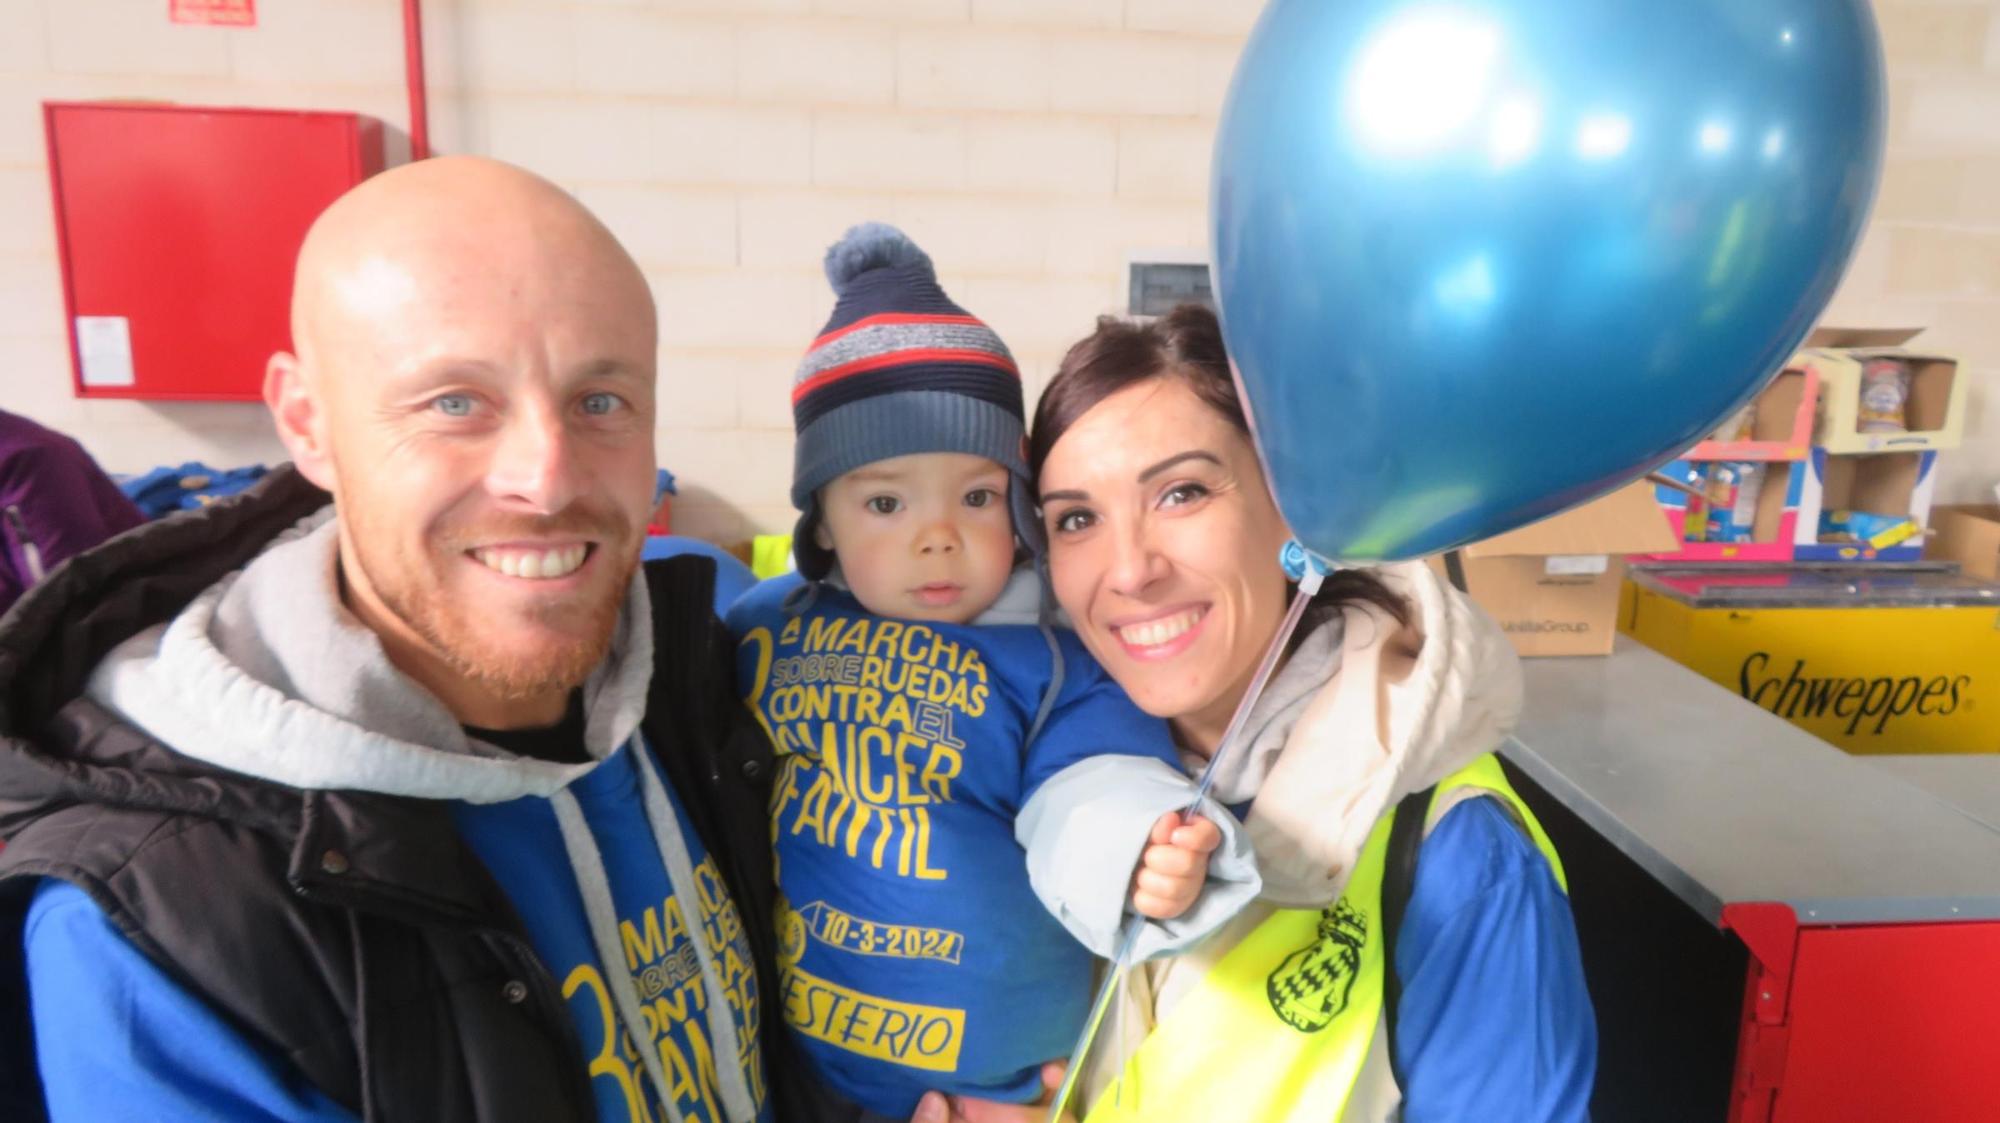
898 370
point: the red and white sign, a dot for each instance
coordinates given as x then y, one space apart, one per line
226 13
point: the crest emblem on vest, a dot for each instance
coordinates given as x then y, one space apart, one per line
1310 988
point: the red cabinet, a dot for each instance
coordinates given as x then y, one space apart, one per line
178 226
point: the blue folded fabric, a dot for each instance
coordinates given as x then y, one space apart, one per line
186 487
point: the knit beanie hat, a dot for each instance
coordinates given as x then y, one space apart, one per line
898 370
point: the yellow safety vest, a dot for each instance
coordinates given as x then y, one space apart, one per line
1280 1027
770 555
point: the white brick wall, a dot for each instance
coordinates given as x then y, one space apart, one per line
724 145
1165 161
1142 75
1093 14
115 37
887 151
25 229
1200 17
291 43
1040 157
791 228
25 47
976 236
951 68
739 308
1956 112
565 138
668 227
29 304
639 53
898 11
1033 146
519 50
817 62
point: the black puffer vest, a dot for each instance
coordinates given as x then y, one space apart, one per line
350 932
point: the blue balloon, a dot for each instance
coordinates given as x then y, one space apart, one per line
1482 260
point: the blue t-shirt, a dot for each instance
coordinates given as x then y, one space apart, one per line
521 844
914 953
118 1038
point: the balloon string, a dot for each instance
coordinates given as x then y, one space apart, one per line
1128 938
1227 747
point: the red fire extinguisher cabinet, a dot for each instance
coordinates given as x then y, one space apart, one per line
178 227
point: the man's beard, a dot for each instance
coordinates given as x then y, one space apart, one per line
448 624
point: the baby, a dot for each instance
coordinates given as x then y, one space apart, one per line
960 783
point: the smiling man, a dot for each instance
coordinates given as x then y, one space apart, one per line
427 803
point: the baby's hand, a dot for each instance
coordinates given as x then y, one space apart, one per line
1173 866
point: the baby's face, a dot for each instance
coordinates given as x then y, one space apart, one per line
924 537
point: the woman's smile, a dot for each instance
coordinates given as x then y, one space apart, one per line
1163 635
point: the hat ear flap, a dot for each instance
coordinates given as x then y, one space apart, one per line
1027 517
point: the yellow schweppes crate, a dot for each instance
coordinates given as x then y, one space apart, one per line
1889 663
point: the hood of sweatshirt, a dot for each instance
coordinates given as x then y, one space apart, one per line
266 673
1333 743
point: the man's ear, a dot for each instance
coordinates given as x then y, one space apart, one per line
822 536
300 416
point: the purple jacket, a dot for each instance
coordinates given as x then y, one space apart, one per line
54 502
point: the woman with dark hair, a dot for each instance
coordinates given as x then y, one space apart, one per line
1413 955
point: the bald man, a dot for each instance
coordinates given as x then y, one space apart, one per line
426 803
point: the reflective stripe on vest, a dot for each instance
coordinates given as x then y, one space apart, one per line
1280 1027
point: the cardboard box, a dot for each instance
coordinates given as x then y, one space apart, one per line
1894 483
1774 531
1935 409
1969 535
1782 426
1553 586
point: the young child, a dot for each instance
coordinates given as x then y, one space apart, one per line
960 781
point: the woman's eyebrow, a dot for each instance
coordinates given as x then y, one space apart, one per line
1164 465
1178 458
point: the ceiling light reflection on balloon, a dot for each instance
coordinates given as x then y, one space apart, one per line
1421 79
1603 136
1516 128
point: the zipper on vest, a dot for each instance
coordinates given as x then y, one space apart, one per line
31 554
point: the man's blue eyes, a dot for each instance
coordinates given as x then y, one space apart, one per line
462 405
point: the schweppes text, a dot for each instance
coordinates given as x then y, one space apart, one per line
1795 694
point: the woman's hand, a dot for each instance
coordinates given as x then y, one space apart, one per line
1173 866
936 1107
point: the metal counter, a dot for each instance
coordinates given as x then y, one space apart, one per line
1722 802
